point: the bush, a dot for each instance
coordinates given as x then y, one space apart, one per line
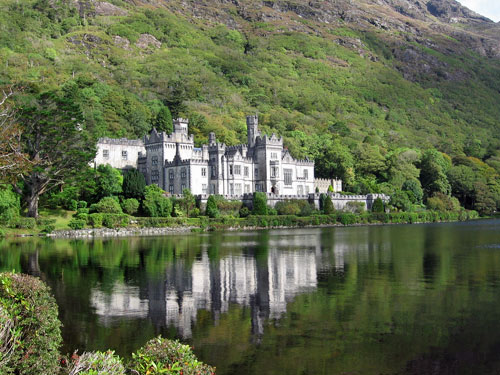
95 220
35 334
77 223
155 204
81 204
134 184
9 205
130 206
115 220
355 207
48 228
108 205
43 221
195 212
288 207
25 223
162 356
272 211
378 205
259 203
2 235
244 211
328 208
93 363
347 218
212 211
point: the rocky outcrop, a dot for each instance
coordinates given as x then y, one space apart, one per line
107 9
146 40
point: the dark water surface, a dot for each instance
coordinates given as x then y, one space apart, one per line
409 299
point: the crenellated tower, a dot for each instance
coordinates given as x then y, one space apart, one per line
252 129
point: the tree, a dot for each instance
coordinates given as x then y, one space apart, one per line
485 202
333 159
108 181
55 140
133 184
462 179
328 206
433 169
13 162
211 210
155 203
401 201
259 203
414 190
163 121
188 201
378 205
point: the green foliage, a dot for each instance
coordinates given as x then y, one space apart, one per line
108 205
187 203
77 223
24 223
401 201
328 208
288 207
95 363
109 181
378 205
163 121
212 210
95 220
155 203
259 203
9 205
133 184
161 356
115 220
434 166
244 211
414 190
29 311
355 207
130 206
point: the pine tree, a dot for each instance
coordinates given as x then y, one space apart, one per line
212 211
134 184
259 203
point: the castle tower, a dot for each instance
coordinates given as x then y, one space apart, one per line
252 129
181 126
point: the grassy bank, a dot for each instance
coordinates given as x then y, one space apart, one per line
61 220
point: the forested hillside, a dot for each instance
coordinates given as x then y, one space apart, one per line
369 89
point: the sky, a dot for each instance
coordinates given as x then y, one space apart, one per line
488 8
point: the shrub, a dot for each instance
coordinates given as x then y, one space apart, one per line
347 218
2 235
93 363
195 212
43 221
212 211
95 220
328 208
378 205
77 223
9 205
259 203
31 312
272 211
244 211
115 220
355 207
161 356
73 205
133 184
108 205
288 207
81 204
25 223
130 206
48 228
155 204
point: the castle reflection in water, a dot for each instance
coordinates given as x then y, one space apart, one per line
266 284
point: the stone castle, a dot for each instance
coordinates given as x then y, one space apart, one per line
173 163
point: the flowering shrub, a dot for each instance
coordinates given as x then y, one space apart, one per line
162 356
93 363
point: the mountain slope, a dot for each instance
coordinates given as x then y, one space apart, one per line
386 73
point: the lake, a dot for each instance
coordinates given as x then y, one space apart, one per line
395 299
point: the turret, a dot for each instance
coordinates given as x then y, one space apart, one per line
252 129
181 126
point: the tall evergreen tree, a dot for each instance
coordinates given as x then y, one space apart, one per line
164 121
133 184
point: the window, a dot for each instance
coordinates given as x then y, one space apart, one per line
245 171
247 188
124 155
171 189
306 174
257 187
274 155
300 190
105 154
231 189
183 187
214 171
237 189
230 170
256 173
203 172
274 172
212 189
183 172
155 176
237 169
204 188
154 160
288 176
171 174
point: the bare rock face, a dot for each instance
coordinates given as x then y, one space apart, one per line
121 42
146 40
108 9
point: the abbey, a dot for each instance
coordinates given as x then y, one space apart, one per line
172 162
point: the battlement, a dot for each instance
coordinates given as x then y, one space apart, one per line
121 141
266 140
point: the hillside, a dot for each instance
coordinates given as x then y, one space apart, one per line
365 77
